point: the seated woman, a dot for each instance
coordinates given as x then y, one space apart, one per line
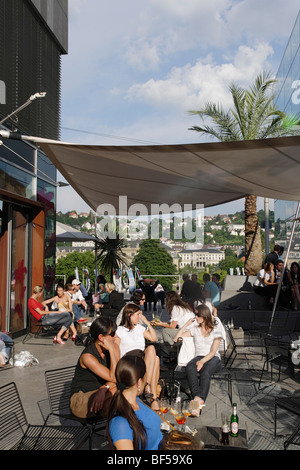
137 298
131 338
180 312
265 284
63 303
131 424
207 335
40 311
115 302
294 278
94 381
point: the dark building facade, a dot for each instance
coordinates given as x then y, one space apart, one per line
33 36
31 43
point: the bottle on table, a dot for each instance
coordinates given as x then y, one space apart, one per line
225 432
234 422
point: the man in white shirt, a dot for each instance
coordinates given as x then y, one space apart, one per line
78 302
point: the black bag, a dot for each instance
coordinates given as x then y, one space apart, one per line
82 339
179 440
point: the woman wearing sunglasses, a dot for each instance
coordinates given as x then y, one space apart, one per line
207 334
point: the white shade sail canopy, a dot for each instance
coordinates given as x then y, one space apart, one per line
204 173
66 233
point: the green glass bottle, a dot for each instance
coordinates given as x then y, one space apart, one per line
234 422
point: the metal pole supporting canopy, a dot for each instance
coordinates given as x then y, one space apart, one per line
284 266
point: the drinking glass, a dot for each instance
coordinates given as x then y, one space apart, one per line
186 408
174 409
164 405
180 417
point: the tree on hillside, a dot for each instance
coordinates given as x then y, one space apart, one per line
153 259
253 116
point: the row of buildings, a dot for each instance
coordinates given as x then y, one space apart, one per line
195 257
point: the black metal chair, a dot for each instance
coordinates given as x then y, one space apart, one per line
36 330
283 327
58 382
221 374
276 356
248 349
292 405
17 434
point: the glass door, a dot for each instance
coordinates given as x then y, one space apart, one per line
18 269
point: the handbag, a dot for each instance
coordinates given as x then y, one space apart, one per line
82 339
186 352
179 440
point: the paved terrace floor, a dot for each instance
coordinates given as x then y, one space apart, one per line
255 408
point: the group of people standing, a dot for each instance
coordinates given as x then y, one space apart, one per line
272 274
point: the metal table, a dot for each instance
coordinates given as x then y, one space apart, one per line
211 437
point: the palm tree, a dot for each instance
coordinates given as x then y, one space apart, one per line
110 255
253 116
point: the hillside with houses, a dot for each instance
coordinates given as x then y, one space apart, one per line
222 234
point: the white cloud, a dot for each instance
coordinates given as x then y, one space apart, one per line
135 68
143 55
169 27
191 86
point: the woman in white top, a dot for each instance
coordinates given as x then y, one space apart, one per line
131 337
265 284
138 298
180 312
207 334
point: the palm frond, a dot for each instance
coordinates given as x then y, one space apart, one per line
111 255
225 125
252 116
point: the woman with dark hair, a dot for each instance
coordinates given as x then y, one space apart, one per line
137 298
94 381
294 279
207 335
264 283
131 337
131 424
180 312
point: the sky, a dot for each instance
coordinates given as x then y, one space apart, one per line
136 68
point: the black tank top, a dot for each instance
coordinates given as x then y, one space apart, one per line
85 379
